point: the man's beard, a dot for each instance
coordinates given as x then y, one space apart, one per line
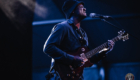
82 16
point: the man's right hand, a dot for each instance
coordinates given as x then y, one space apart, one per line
77 62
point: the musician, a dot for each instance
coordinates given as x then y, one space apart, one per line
68 36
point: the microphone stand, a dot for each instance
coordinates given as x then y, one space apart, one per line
118 28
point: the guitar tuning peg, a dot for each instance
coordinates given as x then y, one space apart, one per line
118 32
123 39
123 31
127 36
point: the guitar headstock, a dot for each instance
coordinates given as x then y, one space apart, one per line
123 35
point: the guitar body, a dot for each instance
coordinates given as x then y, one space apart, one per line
67 72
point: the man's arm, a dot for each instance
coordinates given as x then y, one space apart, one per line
51 47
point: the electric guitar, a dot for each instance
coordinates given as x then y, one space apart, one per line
67 72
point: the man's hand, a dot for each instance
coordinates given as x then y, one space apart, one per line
110 45
109 48
78 61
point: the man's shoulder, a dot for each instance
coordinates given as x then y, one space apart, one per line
63 24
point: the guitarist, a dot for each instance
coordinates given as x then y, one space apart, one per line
68 36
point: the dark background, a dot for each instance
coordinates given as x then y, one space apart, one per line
22 42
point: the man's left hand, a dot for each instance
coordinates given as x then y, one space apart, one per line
110 45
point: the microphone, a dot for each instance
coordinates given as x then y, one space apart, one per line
94 15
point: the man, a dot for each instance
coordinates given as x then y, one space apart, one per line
68 36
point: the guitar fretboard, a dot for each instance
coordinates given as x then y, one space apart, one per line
96 50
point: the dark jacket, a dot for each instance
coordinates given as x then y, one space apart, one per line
64 38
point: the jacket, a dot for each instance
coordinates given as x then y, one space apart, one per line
64 38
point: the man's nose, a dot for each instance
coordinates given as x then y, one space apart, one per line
84 8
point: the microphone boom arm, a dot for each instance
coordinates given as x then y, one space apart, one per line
118 28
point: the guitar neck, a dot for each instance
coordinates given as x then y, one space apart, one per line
97 49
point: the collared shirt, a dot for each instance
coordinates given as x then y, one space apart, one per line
80 33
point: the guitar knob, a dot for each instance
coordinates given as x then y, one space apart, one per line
72 77
68 75
71 67
77 74
73 72
82 49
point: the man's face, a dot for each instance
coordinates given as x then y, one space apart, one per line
81 11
